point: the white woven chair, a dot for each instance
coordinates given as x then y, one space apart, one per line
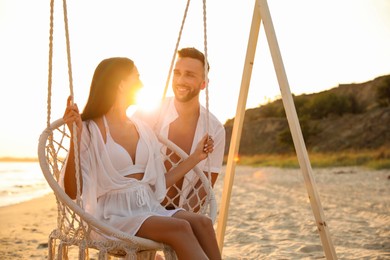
75 226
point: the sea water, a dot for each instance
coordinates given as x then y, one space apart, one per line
21 181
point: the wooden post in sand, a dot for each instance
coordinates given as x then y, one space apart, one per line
237 128
262 12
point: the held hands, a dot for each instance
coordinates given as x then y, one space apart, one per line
204 147
71 116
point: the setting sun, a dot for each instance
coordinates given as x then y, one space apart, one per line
148 99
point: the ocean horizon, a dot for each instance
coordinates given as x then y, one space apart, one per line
21 181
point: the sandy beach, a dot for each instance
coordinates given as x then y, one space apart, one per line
270 217
25 228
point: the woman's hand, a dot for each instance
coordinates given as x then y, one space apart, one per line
71 116
204 147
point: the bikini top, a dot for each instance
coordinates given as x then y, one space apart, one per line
121 159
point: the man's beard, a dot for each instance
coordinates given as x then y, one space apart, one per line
185 98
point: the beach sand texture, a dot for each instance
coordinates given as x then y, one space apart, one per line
269 217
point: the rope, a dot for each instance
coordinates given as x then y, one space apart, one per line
68 49
206 66
52 150
206 73
50 74
176 48
75 137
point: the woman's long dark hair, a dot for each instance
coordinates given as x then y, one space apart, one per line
104 85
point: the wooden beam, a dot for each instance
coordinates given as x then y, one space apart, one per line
237 128
296 132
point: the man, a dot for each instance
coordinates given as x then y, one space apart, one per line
184 121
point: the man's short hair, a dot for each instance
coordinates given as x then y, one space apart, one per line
193 53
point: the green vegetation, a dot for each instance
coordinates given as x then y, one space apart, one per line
373 159
310 108
383 93
328 103
318 106
352 119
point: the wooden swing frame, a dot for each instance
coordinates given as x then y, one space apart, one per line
261 13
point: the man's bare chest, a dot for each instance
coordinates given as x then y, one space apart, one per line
182 135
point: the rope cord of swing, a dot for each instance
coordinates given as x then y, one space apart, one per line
50 75
206 73
175 51
75 137
206 64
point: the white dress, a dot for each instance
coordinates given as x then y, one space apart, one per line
122 202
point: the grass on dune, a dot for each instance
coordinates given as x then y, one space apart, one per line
373 159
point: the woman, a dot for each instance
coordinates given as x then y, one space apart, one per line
123 180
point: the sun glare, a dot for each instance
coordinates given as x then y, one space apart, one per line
148 99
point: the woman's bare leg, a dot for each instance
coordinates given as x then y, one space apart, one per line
174 232
203 229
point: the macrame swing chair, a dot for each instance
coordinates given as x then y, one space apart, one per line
75 226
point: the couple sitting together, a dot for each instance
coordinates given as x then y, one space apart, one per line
123 177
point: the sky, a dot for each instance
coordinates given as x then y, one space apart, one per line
322 43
